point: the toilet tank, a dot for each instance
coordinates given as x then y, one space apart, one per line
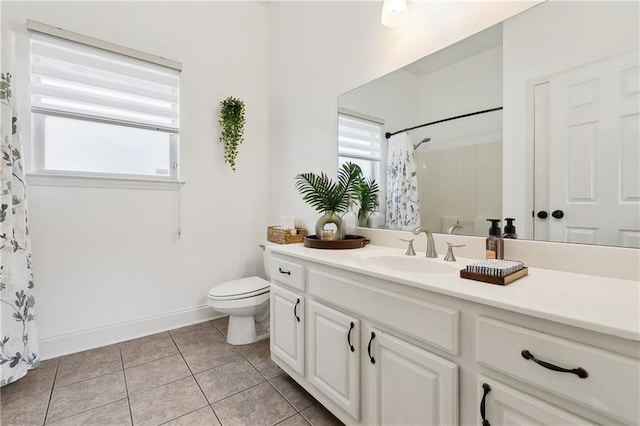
266 258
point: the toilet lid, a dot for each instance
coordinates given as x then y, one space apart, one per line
240 289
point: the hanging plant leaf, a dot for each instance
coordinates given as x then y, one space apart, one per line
232 123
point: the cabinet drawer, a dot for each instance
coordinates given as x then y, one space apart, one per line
288 273
503 405
611 382
428 322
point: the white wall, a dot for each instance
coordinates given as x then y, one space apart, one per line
320 50
525 39
108 264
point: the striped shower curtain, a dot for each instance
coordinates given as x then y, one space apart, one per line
403 210
18 336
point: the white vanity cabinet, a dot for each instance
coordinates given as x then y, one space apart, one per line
333 353
287 319
287 327
378 349
408 385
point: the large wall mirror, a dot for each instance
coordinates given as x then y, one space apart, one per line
536 118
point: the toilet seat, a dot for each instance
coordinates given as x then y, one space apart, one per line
239 289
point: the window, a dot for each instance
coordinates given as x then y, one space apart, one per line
360 142
98 110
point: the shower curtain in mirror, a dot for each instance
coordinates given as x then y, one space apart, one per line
18 337
403 210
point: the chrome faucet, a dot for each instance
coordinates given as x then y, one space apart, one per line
431 245
453 228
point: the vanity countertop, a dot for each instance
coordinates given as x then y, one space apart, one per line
605 305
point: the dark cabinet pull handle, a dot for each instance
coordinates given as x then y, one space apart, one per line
373 360
349 337
295 310
486 389
580 372
557 214
282 271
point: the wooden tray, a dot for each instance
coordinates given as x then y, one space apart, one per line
349 242
495 280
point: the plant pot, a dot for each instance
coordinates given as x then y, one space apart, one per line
330 217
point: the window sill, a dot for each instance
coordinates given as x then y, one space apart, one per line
44 179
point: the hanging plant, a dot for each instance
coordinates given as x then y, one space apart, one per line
232 125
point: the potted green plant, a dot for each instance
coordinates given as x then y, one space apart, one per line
232 123
325 195
365 192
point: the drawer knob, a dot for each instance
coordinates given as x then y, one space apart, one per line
371 358
485 389
349 337
295 310
282 271
580 372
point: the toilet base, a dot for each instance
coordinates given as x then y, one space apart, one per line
242 330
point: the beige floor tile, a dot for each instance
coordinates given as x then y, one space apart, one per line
156 373
88 364
114 414
259 346
138 352
211 356
296 420
167 402
145 339
191 327
91 353
199 338
317 415
81 396
261 360
28 410
49 363
259 405
37 380
293 392
221 324
228 379
202 417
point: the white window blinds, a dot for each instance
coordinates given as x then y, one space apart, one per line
359 138
75 80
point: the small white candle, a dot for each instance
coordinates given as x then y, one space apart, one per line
288 222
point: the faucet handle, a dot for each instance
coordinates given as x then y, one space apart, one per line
410 251
450 257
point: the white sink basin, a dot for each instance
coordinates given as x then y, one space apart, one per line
413 264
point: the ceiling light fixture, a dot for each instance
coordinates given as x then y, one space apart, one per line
394 12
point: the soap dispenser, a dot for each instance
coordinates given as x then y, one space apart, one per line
494 244
510 229
350 218
376 218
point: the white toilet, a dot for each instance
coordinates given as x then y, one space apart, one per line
246 301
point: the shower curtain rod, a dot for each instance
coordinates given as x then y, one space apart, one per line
388 135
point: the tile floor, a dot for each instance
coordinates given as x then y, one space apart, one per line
187 376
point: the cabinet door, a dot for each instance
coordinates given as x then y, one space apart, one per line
334 352
410 386
499 404
287 327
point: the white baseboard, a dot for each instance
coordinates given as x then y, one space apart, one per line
65 344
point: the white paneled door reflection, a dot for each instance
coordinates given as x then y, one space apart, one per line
593 145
